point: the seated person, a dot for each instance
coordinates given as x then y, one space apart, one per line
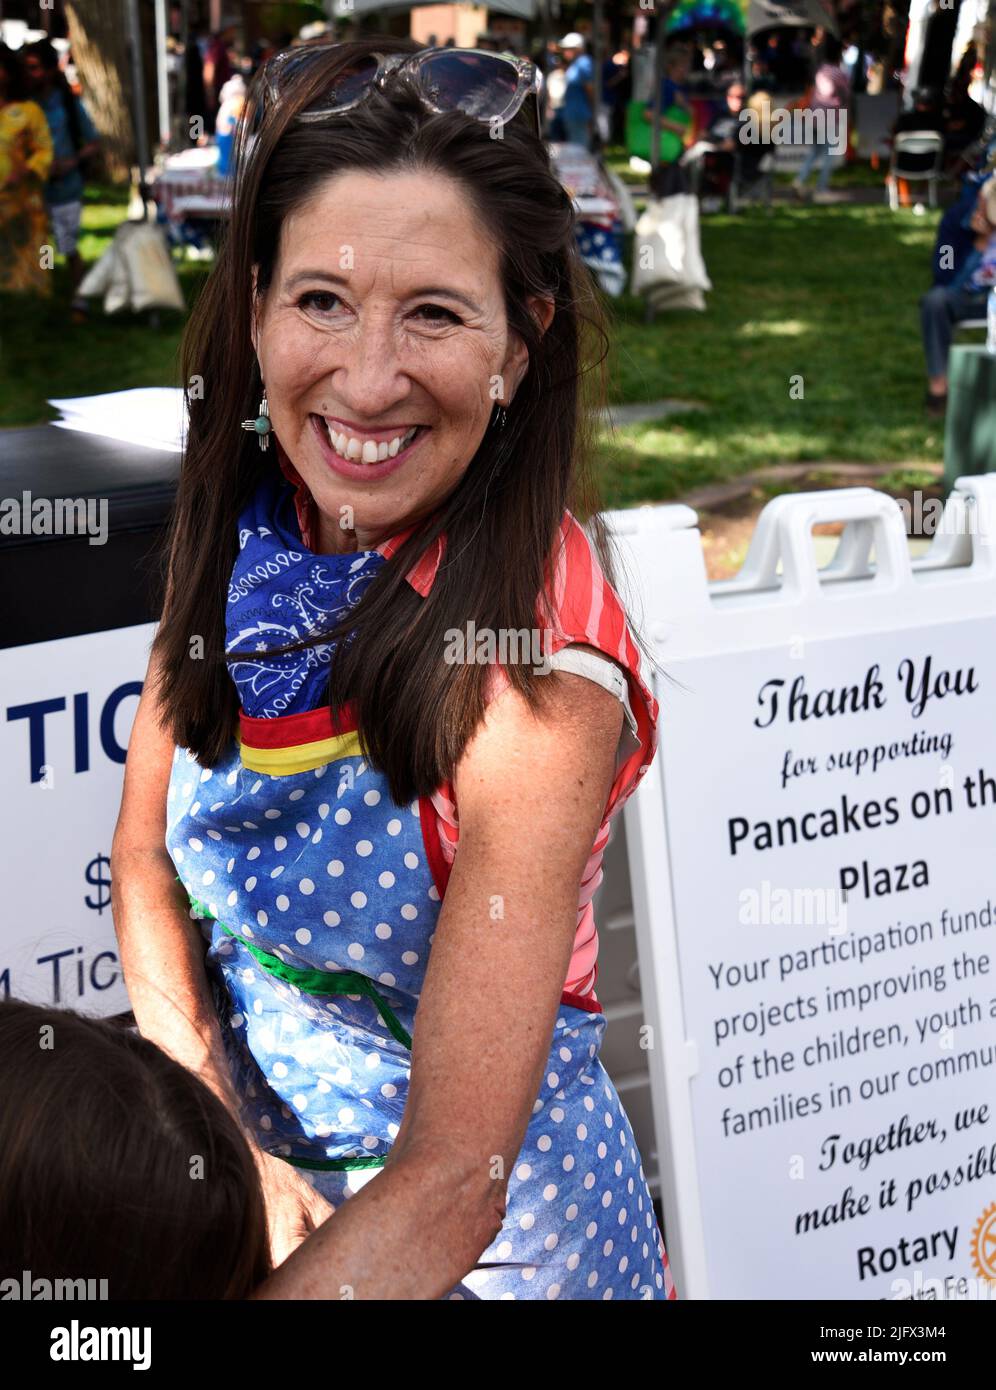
925 114
731 155
964 118
955 238
964 297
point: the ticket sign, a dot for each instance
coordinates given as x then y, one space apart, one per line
68 708
818 943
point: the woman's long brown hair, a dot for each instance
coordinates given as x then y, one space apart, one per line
117 1163
415 711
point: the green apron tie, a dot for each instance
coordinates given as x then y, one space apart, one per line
319 982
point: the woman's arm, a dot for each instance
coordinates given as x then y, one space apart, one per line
162 957
161 949
532 792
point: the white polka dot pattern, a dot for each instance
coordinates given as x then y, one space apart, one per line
324 1078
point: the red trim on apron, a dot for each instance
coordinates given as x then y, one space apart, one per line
585 1002
288 730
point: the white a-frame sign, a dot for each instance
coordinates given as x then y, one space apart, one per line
813 866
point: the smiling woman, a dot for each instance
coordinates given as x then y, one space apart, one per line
391 855
419 317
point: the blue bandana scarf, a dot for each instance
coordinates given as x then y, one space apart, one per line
280 592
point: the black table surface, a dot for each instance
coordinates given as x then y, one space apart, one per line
48 462
76 587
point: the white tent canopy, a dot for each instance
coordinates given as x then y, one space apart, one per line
348 9
773 14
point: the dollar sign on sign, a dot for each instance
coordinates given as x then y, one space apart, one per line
102 882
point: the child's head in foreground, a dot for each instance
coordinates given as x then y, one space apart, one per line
117 1163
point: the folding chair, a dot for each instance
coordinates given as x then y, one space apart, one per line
971 326
915 142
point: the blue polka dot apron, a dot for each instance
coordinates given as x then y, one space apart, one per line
318 897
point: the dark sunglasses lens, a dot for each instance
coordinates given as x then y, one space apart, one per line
349 84
477 83
288 66
343 90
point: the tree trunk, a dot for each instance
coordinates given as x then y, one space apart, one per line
98 33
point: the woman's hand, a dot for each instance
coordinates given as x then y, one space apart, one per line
293 1208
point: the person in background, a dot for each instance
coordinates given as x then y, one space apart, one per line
25 160
217 70
955 238
963 297
963 117
725 128
730 150
676 118
579 90
233 97
554 88
74 139
677 66
194 98
724 69
615 82
926 113
831 92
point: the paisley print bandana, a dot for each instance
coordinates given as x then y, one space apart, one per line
281 592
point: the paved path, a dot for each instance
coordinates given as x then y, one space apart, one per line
715 494
619 415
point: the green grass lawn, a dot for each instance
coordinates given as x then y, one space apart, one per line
43 355
825 294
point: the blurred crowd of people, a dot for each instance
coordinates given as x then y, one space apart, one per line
46 140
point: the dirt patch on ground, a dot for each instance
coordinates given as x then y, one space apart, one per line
727 522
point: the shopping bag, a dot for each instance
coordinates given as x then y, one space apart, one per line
135 272
667 255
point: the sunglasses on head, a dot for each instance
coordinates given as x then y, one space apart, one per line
487 86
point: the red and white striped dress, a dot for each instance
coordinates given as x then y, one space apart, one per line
586 611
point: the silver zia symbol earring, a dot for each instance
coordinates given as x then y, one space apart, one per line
261 424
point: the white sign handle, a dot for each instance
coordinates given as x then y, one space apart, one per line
784 536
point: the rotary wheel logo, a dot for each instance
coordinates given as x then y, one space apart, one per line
984 1245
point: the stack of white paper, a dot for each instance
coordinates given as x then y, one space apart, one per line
152 416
